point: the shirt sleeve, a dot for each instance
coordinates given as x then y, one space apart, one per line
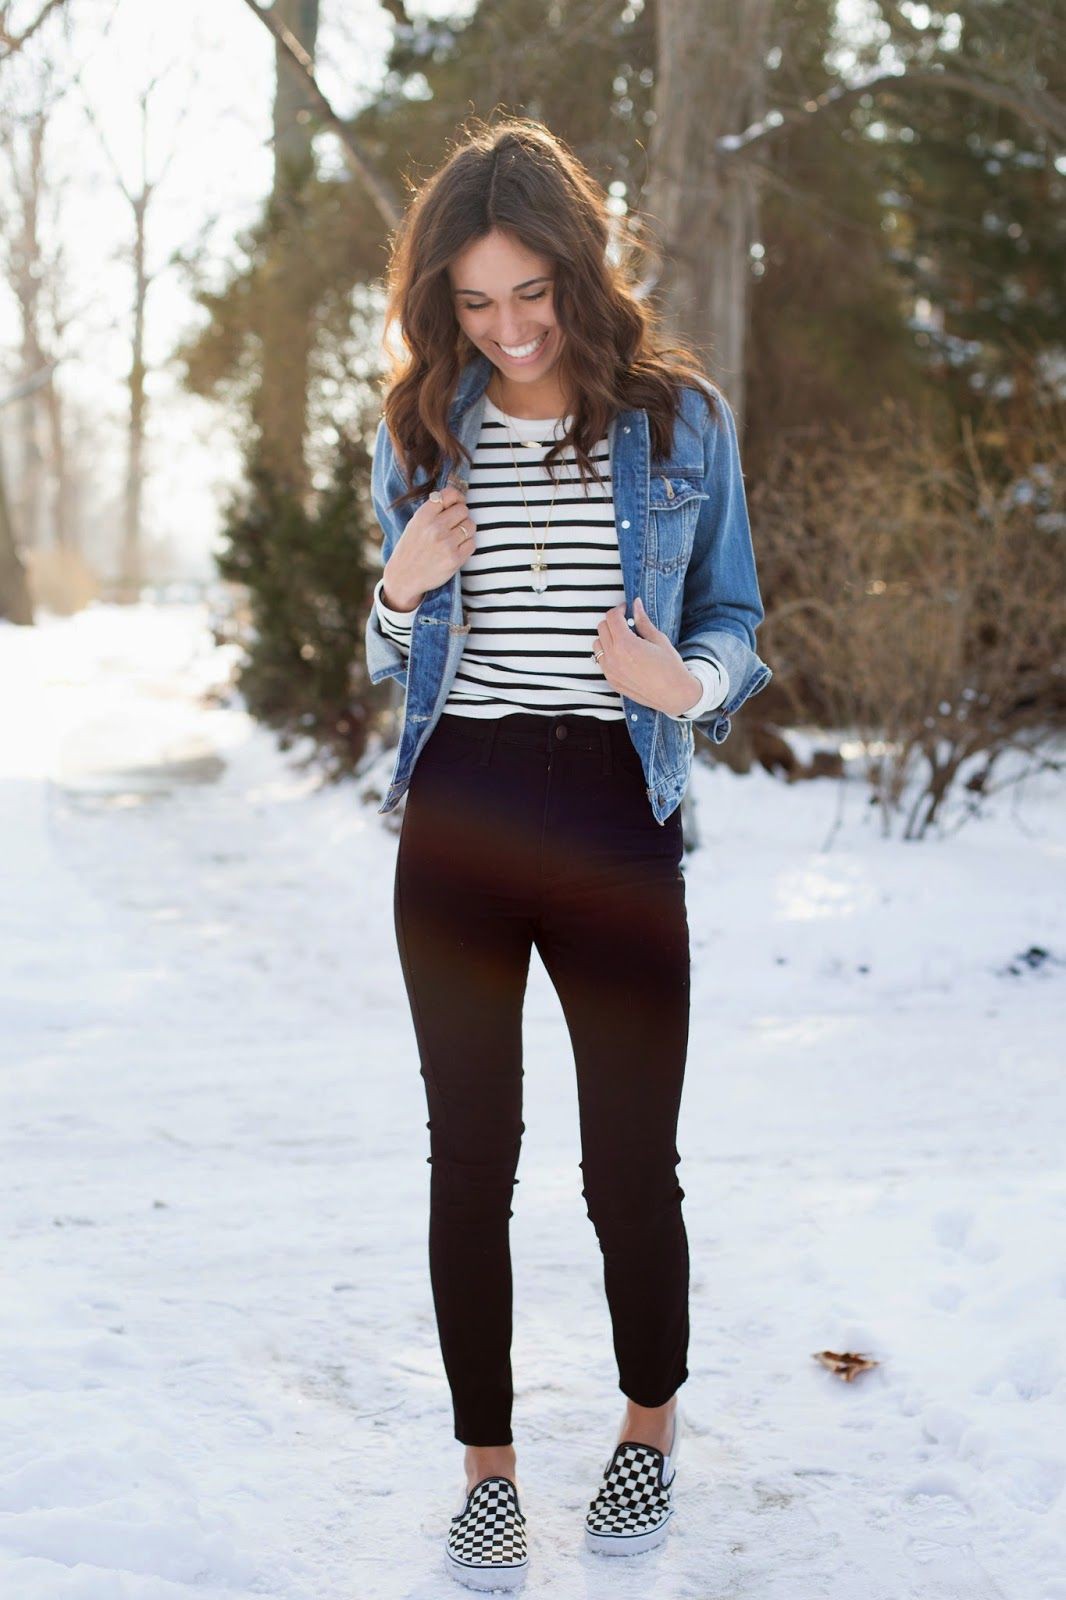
715 681
396 624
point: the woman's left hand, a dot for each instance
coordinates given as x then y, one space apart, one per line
642 663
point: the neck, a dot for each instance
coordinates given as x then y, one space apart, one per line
533 400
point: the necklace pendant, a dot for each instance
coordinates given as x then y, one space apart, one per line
539 580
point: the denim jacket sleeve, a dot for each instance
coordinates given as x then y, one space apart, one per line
384 658
721 605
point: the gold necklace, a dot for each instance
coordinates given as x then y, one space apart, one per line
538 566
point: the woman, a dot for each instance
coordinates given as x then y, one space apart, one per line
569 586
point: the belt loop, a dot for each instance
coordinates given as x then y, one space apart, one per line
605 740
488 741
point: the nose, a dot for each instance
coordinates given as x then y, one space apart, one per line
512 334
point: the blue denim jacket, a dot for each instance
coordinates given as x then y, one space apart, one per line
685 547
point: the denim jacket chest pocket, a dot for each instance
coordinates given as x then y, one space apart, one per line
674 498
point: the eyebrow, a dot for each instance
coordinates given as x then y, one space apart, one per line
544 278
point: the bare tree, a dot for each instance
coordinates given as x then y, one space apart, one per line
26 268
59 319
139 199
34 277
15 602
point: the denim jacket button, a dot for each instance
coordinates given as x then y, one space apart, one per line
625 524
632 716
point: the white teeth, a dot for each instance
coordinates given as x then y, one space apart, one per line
521 350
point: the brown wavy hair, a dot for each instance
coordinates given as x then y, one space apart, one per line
518 177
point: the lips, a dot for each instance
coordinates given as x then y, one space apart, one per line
521 360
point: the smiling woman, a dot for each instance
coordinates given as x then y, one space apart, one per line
563 510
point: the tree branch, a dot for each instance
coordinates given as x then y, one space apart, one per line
30 385
299 62
11 43
1035 107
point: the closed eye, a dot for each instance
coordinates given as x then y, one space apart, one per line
530 297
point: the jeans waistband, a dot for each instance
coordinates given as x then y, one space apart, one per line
549 733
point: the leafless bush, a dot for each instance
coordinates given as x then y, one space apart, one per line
917 598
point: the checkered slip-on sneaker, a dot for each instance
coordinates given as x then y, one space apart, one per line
486 1544
632 1507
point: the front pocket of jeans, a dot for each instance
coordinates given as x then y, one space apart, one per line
631 773
453 747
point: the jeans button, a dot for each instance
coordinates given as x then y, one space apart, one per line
560 732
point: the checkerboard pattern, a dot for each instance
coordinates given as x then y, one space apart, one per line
632 1500
486 1542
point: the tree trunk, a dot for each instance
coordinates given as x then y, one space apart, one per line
710 83
15 603
27 270
132 563
62 487
281 404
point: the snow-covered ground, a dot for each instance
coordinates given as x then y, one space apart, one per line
218 1361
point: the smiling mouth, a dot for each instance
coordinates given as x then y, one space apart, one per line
523 352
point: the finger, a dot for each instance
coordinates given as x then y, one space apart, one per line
643 625
442 500
449 494
615 622
463 537
455 515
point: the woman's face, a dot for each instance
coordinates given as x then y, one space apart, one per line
503 296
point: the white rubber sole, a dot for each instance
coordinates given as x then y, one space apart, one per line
502 1579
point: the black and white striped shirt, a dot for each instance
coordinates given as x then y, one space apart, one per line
527 651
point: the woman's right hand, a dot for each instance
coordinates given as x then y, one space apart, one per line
432 546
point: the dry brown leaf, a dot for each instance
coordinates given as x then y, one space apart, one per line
847 1365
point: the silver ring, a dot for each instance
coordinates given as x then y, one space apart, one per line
597 655
437 497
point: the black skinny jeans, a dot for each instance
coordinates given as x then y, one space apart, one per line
528 829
